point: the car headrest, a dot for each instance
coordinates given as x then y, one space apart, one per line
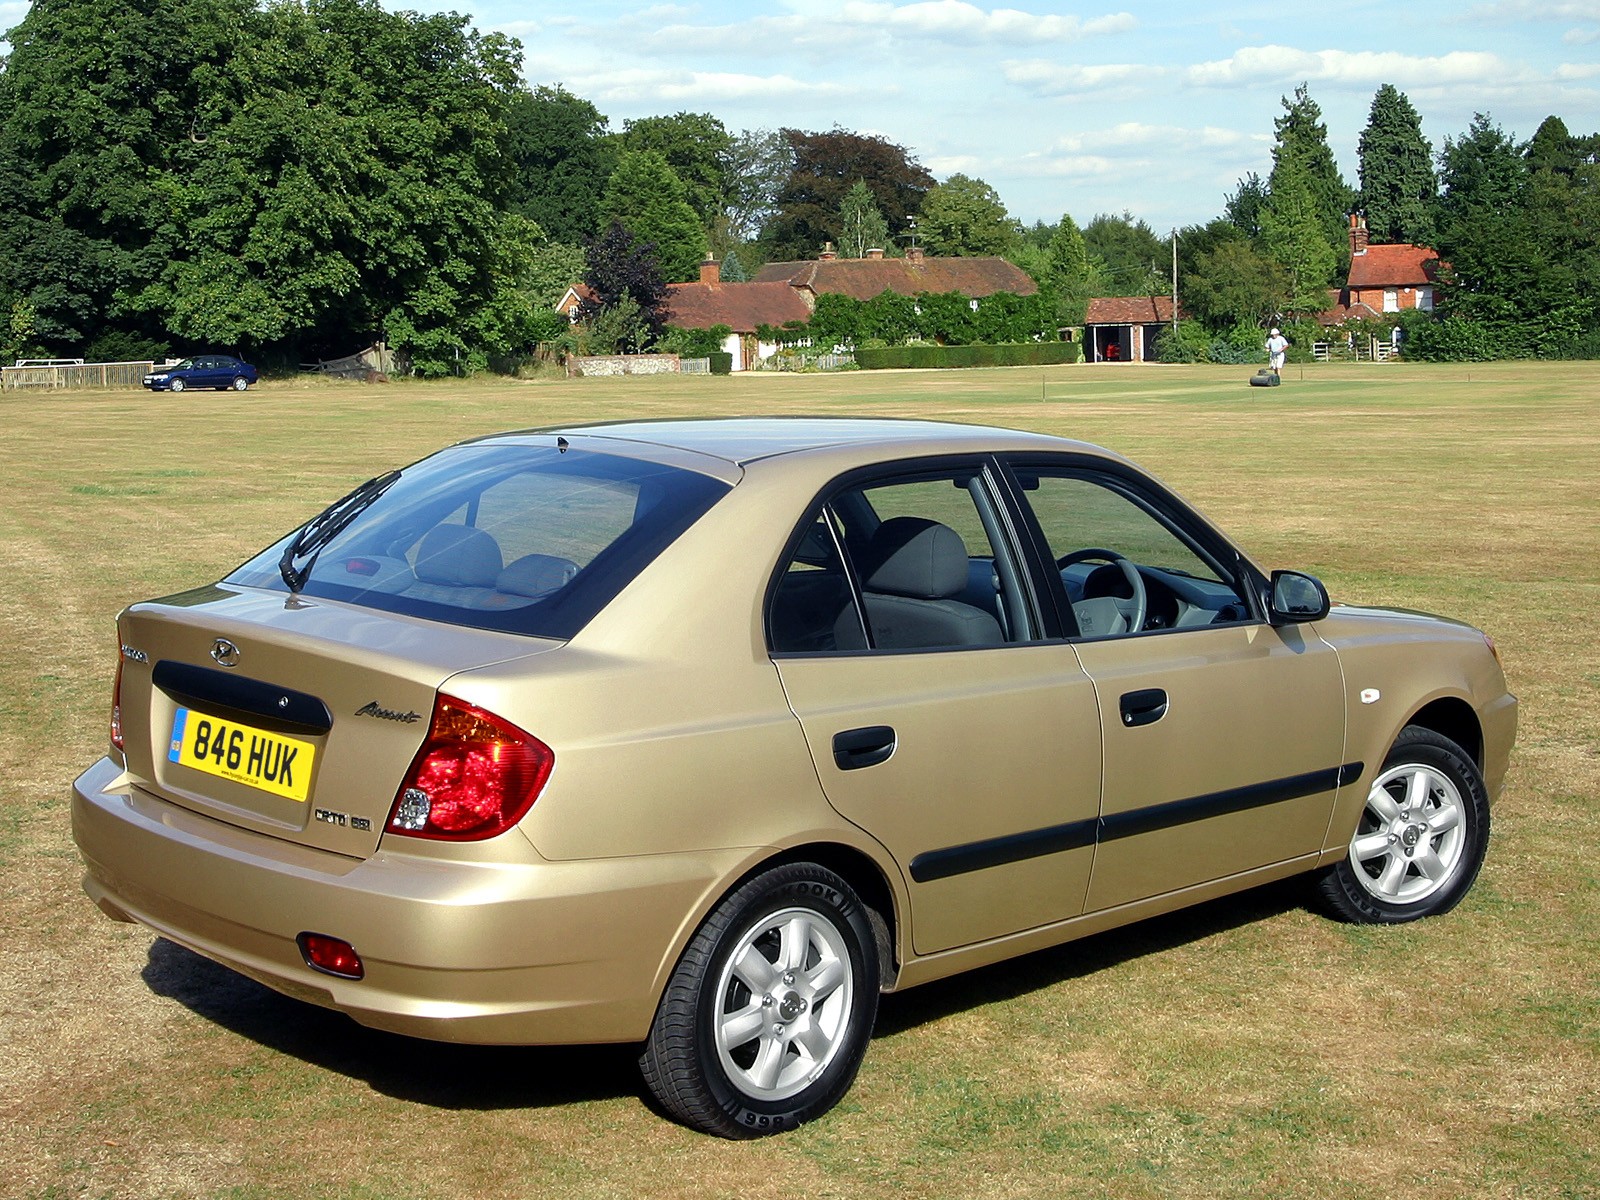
916 557
536 575
458 556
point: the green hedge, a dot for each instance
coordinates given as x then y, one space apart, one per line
1025 354
721 362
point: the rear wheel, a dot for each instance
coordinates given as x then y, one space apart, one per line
177 385
240 383
766 1018
1421 837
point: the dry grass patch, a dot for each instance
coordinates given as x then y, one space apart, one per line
1247 1047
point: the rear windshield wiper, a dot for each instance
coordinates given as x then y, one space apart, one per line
326 526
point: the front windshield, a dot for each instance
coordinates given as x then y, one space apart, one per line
522 537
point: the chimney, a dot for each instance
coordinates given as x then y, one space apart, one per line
711 271
827 254
874 253
914 254
1358 234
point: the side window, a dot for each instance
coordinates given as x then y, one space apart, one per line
1124 569
914 563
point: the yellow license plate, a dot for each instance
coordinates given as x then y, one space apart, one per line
269 761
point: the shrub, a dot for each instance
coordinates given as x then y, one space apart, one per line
721 362
1027 354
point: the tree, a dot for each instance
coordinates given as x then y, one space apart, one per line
1242 206
1398 187
1482 169
1234 284
733 268
825 165
758 164
964 217
861 225
695 146
1509 281
1294 234
619 266
1302 136
1067 271
100 100
562 160
645 196
1133 261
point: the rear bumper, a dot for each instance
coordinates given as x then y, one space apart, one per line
511 953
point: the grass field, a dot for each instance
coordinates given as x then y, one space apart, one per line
1245 1048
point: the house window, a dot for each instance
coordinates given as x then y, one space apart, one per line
1391 300
1425 299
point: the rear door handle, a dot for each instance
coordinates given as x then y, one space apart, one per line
865 747
1143 707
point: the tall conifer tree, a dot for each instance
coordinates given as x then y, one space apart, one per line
1398 185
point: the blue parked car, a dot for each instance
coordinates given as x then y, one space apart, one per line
218 371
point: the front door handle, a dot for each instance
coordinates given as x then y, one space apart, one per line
1143 707
865 747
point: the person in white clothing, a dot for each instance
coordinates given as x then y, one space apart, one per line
1277 347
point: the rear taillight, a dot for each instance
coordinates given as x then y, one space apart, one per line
116 707
475 776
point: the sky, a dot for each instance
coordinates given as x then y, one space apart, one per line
1156 109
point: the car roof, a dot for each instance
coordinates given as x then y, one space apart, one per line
744 440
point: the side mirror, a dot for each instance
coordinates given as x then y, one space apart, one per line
1297 597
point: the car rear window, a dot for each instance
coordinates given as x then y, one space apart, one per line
525 538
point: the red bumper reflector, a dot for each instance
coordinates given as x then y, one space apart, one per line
331 955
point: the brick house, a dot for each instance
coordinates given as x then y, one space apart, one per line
1388 279
787 291
1124 328
743 307
864 278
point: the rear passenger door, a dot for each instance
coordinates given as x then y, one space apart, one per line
907 635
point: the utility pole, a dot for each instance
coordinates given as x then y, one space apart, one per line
1174 280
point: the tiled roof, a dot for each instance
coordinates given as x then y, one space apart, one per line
1397 265
864 278
1129 310
740 306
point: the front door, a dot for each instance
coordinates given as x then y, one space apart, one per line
1223 735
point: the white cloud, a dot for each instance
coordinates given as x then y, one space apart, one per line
955 20
1567 71
1045 78
1581 37
641 85
1255 65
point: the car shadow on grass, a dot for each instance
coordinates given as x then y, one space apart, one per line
439 1074
904 1011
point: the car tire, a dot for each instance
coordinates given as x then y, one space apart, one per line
241 384
1421 838
177 385
769 1011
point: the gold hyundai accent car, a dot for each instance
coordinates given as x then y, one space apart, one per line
699 735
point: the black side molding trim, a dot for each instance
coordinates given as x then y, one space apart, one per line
281 710
1036 843
995 852
1218 804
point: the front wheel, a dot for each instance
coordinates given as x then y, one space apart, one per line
177 385
1421 837
768 1014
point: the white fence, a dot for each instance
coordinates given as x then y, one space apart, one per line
78 375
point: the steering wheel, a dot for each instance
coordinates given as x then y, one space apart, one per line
1133 610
